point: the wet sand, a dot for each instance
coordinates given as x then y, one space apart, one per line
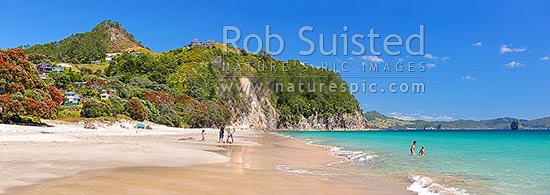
275 165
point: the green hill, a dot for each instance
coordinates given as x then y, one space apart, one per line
379 121
83 48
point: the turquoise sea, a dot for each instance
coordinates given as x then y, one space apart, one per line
457 162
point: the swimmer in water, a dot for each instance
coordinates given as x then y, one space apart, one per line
413 146
422 153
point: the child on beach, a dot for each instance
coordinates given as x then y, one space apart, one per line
203 134
422 153
413 148
222 131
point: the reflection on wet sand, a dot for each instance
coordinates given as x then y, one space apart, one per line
252 170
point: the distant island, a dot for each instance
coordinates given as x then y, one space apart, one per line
380 121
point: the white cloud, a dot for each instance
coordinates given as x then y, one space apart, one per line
420 116
431 65
372 59
514 64
478 44
430 56
433 57
545 58
468 77
508 49
394 114
371 105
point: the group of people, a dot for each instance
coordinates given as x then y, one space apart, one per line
413 150
230 131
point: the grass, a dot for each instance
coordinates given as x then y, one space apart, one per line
94 67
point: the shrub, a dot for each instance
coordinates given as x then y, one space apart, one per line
168 115
152 112
66 113
91 109
117 107
135 109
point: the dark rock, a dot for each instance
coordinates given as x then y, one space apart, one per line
515 125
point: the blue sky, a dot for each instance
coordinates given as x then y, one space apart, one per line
507 74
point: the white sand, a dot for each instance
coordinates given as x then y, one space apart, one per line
31 154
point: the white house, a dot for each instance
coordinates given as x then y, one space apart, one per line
57 69
43 75
72 98
104 96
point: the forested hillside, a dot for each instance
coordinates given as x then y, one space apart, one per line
195 86
83 48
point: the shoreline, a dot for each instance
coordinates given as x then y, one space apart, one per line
257 162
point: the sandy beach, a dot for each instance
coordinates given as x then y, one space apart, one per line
68 159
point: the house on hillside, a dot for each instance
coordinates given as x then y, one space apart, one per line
208 43
79 84
72 99
95 62
196 42
43 70
44 67
135 53
43 75
57 69
105 94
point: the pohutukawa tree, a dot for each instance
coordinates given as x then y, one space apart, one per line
22 91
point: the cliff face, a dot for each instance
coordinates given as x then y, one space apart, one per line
344 122
261 114
258 112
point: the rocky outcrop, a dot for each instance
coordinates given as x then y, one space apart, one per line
261 114
344 122
515 125
120 41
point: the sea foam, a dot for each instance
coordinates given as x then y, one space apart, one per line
350 155
289 169
425 186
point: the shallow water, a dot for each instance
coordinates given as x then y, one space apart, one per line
457 162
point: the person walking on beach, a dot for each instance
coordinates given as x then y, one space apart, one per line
422 153
222 131
203 134
230 132
413 147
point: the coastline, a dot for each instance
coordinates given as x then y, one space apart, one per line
114 160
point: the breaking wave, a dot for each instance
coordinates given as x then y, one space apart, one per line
425 186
